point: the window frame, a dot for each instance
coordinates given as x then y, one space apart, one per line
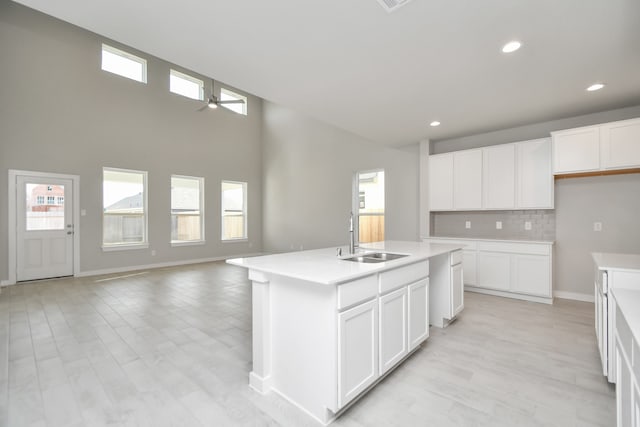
356 201
245 211
189 78
202 240
145 229
229 92
119 52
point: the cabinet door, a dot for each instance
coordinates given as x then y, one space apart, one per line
393 328
418 324
576 150
469 267
493 270
357 350
441 182
534 177
457 290
467 179
499 177
624 390
620 144
531 274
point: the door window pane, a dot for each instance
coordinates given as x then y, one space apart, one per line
41 216
234 210
370 206
124 207
186 209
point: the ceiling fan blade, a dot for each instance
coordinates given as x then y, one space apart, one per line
204 107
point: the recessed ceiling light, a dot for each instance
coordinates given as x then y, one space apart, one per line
595 86
512 46
434 123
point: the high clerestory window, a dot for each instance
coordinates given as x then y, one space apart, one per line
186 85
229 95
124 64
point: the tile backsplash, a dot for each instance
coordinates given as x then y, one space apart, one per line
483 224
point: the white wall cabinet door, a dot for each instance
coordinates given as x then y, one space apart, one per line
534 178
620 144
357 350
393 328
441 182
457 290
531 274
576 150
499 177
494 270
418 320
467 179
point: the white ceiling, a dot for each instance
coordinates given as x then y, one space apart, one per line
386 76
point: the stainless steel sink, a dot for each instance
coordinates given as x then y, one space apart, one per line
375 257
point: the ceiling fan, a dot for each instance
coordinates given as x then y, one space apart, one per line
213 101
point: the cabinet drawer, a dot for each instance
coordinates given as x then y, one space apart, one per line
456 257
393 279
515 248
350 293
625 335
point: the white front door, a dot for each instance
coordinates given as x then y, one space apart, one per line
44 227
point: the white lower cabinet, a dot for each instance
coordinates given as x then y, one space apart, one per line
357 350
457 289
393 328
418 324
446 291
516 269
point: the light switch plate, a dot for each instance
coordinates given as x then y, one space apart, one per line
498 225
597 226
467 224
527 225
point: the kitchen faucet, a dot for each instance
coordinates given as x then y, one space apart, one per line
352 239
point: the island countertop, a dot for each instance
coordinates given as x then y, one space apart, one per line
614 261
324 267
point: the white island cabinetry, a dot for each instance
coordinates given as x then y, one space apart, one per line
326 330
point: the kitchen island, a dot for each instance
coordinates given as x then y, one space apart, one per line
326 329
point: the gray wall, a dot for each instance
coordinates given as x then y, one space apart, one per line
615 200
308 171
60 113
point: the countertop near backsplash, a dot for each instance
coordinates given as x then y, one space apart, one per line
483 224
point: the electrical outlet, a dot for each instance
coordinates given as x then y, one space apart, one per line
153 252
467 224
527 225
597 226
498 225
83 212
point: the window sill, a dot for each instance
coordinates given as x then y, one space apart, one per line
244 239
178 243
131 247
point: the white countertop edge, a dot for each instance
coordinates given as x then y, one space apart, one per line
478 239
616 261
337 278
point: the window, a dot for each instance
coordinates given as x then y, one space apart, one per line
124 64
51 200
185 85
40 200
234 210
61 200
187 204
124 198
240 107
369 203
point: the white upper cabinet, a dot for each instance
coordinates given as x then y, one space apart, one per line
498 178
534 181
441 182
576 150
467 179
620 144
608 146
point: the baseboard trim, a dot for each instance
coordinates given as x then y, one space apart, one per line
574 296
4 283
126 269
511 295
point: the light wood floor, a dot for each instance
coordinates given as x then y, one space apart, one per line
171 347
